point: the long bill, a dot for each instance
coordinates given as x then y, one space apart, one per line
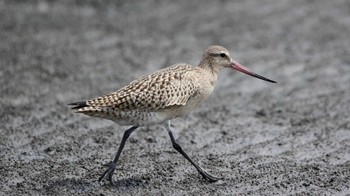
245 70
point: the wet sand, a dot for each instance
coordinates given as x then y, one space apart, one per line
263 139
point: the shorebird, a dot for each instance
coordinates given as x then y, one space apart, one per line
161 96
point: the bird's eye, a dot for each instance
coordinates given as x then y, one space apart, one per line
223 55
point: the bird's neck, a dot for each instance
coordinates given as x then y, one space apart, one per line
210 71
209 67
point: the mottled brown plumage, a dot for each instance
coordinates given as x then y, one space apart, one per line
162 89
160 96
163 95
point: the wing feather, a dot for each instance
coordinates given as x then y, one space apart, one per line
164 88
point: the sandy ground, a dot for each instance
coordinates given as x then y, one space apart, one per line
287 138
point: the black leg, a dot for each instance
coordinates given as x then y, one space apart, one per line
112 166
177 147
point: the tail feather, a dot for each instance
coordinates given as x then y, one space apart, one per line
78 105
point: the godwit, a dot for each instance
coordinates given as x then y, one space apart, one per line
161 96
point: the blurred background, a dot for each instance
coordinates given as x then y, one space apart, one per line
287 138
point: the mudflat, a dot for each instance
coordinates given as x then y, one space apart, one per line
292 137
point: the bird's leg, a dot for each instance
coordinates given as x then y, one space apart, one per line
113 164
177 147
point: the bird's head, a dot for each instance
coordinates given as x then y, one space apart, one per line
218 57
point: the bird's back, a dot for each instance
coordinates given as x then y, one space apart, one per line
151 99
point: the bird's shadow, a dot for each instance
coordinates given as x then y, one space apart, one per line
125 184
86 185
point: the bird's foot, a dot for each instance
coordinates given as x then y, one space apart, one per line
109 172
209 177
